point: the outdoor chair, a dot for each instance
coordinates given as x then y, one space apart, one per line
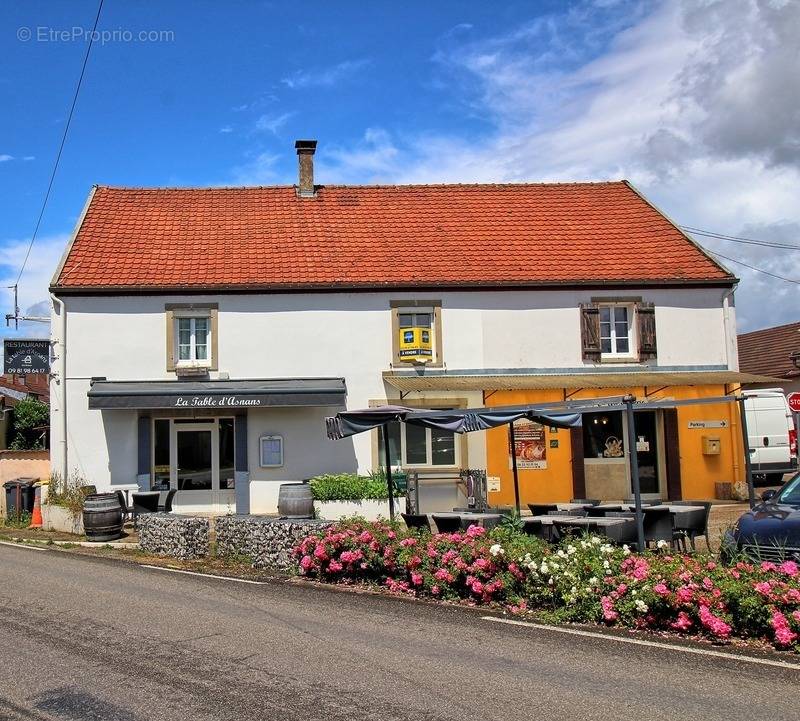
126 510
587 501
167 507
623 534
532 527
658 526
447 524
697 523
573 512
601 512
542 509
144 503
632 502
416 520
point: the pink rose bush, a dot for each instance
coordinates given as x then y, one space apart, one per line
583 579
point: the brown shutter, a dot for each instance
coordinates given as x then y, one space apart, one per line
646 320
590 332
578 470
673 455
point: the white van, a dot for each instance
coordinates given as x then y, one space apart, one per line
772 435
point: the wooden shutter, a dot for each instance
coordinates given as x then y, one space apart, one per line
590 332
578 469
646 321
673 454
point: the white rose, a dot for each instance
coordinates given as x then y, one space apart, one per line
641 606
496 549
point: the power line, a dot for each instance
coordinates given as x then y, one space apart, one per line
752 267
738 239
61 146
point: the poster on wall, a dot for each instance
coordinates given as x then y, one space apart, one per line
530 447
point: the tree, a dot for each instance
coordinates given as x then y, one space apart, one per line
29 414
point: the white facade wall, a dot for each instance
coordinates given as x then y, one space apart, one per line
341 334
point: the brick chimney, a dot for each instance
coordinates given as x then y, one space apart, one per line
305 160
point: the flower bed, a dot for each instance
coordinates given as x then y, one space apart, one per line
582 580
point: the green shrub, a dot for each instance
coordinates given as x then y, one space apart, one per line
68 492
30 414
348 487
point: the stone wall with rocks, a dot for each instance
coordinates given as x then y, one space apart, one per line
267 541
166 534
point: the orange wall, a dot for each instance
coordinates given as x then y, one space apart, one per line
699 473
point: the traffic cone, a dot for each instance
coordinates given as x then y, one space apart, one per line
36 517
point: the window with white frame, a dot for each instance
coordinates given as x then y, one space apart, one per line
412 446
193 339
616 330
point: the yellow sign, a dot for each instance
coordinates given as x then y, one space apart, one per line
416 344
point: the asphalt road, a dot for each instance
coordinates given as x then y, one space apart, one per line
91 639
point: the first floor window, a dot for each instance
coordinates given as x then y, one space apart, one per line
615 330
193 339
411 445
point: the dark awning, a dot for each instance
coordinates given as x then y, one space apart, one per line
208 395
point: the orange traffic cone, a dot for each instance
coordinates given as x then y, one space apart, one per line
36 517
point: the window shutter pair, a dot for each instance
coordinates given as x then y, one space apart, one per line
590 331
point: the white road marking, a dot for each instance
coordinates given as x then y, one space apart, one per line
204 575
21 545
642 642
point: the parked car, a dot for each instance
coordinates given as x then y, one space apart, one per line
771 434
771 530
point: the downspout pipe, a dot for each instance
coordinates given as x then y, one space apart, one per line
62 379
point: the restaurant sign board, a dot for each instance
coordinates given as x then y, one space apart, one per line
26 356
529 445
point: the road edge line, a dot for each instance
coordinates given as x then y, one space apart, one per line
21 545
202 575
643 642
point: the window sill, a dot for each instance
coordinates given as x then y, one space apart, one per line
192 370
619 359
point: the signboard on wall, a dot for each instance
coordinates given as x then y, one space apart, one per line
530 447
26 357
708 424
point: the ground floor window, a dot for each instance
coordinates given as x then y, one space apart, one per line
603 435
193 454
417 446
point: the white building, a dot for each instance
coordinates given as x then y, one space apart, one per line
202 335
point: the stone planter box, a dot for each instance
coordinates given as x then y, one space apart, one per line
58 518
367 508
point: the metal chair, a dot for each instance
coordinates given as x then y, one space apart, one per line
697 523
587 501
593 512
658 526
533 527
144 503
416 520
447 524
126 510
624 533
542 509
167 507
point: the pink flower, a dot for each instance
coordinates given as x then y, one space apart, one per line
784 636
477 587
408 542
435 590
480 563
661 589
476 531
764 588
449 556
683 622
621 589
335 566
714 624
319 553
708 584
609 614
768 566
413 562
306 563
790 568
416 579
443 575
365 537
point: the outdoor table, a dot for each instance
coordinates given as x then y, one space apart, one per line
573 506
487 520
679 512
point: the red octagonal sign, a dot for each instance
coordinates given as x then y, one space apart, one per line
794 401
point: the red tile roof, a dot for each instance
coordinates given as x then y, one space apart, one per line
766 351
379 236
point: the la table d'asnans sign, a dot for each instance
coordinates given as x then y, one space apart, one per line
26 356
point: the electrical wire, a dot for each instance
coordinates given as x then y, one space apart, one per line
61 146
752 267
738 239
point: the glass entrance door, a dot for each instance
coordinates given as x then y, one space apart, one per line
194 469
647 447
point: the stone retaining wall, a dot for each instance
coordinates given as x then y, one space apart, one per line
166 534
267 541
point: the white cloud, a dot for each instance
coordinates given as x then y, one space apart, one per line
693 100
272 123
33 294
330 75
5 158
226 129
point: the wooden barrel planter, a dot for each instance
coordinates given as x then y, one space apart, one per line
295 501
102 517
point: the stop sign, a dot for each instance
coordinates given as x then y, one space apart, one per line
794 401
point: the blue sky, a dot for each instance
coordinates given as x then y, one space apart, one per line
418 92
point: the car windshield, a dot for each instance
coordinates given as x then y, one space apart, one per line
790 494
